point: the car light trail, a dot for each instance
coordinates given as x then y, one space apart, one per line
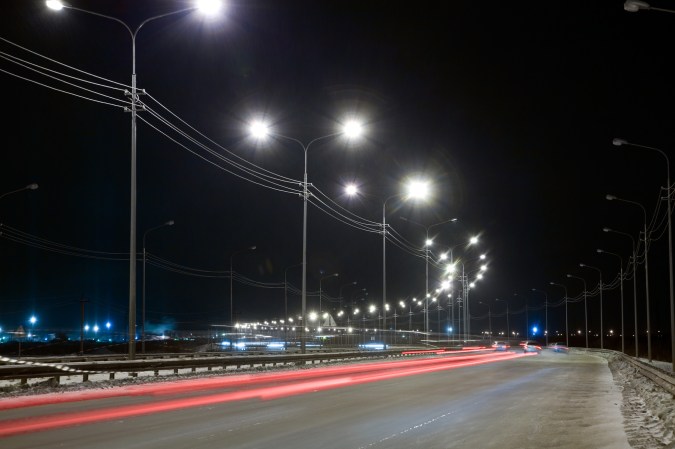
307 382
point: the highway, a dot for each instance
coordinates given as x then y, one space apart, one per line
488 400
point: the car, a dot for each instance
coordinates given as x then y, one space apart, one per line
530 346
559 347
501 346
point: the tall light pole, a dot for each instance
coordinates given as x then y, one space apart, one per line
168 223
334 275
260 130
583 265
634 283
527 320
250 248
546 313
508 329
646 240
286 301
637 5
567 333
28 187
601 251
669 202
133 108
427 243
585 305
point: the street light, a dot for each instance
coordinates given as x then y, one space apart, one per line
567 338
546 312
623 349
508 329
321 294
168 223
637 5
28 187
619 142
427 243
585 306
351 129
209 6
250 248
646 240
582 265
634 283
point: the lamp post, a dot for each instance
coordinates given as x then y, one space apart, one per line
634 283
321 294
669 202
585 306
567 338
623 349
427 243
582 265
546 313
133 108
286 301
260 130
646 240
250 248
527 320
508 329
168 223
28 187
637 5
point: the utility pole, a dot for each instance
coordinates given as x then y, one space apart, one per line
82 301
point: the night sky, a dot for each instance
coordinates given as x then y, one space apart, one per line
507 108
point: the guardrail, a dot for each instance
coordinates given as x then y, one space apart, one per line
55 367
663 379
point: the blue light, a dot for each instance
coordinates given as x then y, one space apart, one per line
534 330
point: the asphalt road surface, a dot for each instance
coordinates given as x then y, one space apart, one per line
547 400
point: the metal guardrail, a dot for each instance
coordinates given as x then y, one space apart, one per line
55 367
663 379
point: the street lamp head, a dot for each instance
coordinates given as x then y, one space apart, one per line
259 129
418 190
473 240
169 223
428 242
582 265
56 5
599 250
33 186
352 129
351 189
252 247
610 197
618 142
635 5
209 7
606 230
569 275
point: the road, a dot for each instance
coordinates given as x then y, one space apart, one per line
490 400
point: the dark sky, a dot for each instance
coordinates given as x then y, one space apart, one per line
508 108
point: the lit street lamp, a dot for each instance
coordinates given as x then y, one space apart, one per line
582 265
669 202
168 223
351 129
250 248
623 349
205 6
427 243
567 338
634 283
646 240
585 306
28 187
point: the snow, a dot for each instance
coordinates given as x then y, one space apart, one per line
648 411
